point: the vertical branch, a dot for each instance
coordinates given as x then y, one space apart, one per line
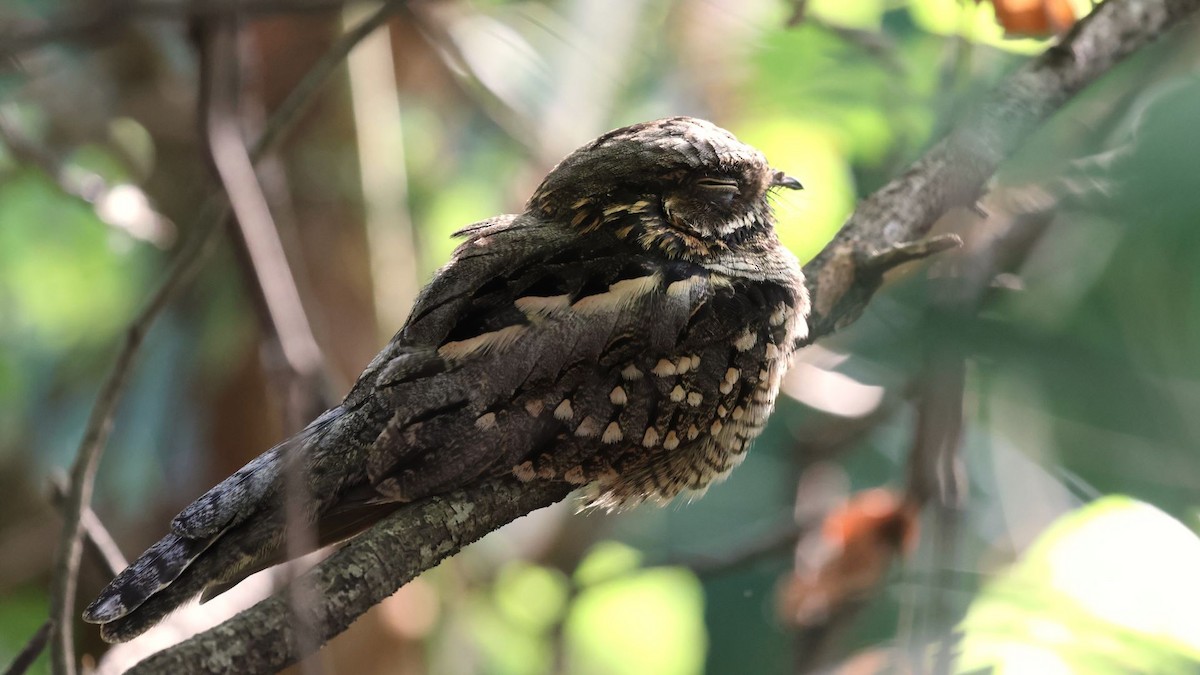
285 320
381 159
936 474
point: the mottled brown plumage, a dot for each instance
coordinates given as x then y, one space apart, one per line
627 332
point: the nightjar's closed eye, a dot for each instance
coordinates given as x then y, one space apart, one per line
725 185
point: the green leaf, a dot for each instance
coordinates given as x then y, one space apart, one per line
650 621
1109 588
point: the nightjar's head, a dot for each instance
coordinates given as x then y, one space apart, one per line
680 186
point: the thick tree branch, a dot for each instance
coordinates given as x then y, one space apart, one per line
356 578
879 235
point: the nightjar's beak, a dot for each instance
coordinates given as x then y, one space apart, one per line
781 179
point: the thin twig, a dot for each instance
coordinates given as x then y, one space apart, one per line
876 44
304 91
188 261
515 123
87 459
932 475
95 534
31 650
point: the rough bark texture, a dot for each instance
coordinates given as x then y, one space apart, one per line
361 575
842 278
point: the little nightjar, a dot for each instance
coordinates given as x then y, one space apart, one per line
626 333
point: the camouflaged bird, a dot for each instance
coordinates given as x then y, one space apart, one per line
627 332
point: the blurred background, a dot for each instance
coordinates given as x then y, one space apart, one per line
1047 367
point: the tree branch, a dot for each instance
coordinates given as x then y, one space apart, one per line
842 279
356 578
95 535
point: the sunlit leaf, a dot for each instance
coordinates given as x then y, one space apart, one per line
647 622
866 14
60 280
607 560
1110 588
509 648
532 595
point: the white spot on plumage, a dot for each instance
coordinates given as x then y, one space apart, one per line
671 441
745 341
486 421
664 368
563 411
588 428
683 287
650 439
543 306
677 394
483 343
612 433
779 315
534 406
524 472
631 373
695 398
617 396
619 296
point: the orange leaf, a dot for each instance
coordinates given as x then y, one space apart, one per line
1034 18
